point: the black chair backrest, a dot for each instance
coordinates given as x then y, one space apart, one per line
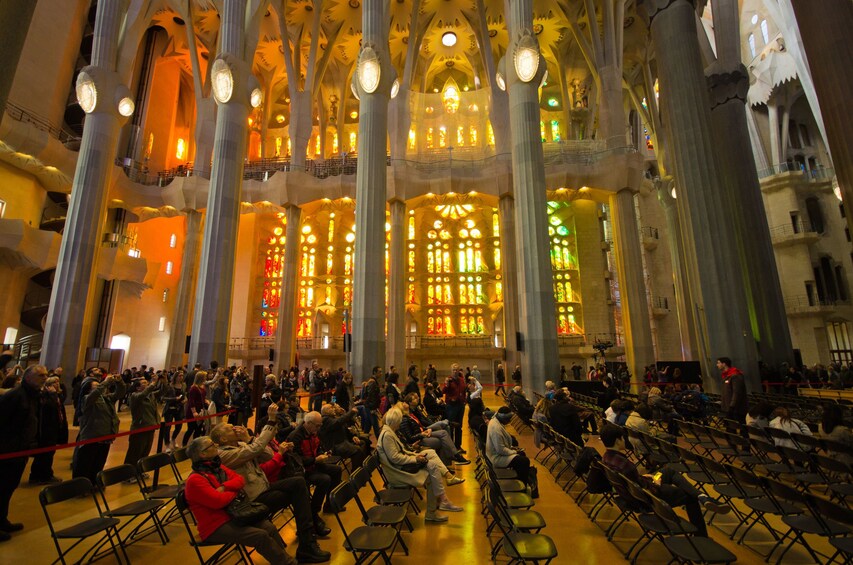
834 465
180 455
342 494
359 477
115 475
66 490
831 510
154 462
783 491
181 501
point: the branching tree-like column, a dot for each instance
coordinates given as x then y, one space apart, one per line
715 285
372 79
524 68
105 102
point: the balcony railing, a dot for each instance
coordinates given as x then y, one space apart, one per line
805 302
791 229
817 174
20 114
660 303
650 232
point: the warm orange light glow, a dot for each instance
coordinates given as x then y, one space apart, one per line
179 153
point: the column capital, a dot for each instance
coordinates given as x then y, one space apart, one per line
650 9
725 86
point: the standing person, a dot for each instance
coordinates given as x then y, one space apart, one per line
221 398
76 383
315 387
98 418
345 393
392 391
144 414
196 406
53 430
734 402
370 399
516 375
454 390
19 418
173 407
500 379
431 375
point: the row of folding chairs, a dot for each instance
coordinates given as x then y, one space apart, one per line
512 526
146 515
754 497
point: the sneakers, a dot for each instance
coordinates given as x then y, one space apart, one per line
714 505
311 553
460 460
449 507
435 518
454 481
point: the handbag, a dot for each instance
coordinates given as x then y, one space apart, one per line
244 512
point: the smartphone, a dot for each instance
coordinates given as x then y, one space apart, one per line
656 477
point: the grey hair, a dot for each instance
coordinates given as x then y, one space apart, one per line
314 416
217 431
393 418
196 446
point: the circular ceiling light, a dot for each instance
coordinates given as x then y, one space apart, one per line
87 92
256 98
368 70
223 81
395 88
448 39
499 78
126 107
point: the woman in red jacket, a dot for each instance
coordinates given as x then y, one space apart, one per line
210 489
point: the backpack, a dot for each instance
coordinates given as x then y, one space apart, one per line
383 405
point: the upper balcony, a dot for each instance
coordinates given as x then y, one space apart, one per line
805 305
793 233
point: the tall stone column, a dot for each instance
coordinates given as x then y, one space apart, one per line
825 29
683 302
715 285
185 292
537 318
395 350
73 287
509 275
368 305
285 333
639 347
728 83
216 271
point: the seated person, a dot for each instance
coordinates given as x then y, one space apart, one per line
759 414
500 450
404 467
832 428
248 459
541 413
323 476
283 419
784 421
209 489
668 485
520 405
564 417
412 431
663 410
434 403
336 437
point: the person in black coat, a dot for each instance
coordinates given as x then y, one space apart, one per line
53 430
565 419
20 415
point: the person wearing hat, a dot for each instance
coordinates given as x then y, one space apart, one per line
499 447
209 489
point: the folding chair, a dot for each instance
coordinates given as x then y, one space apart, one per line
154 465
102 526
389 496
841 515
518 543
387 516
133 510
689 548
363 542
652 526
839 477
222 552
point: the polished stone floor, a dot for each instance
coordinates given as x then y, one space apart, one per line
461 539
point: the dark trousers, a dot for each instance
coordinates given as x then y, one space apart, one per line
499 389
11 471
521 465
173 417
194 429
455 414
263 536
351 451
138 446
675 490
316 402
324 477
90 460
293 492
42 467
